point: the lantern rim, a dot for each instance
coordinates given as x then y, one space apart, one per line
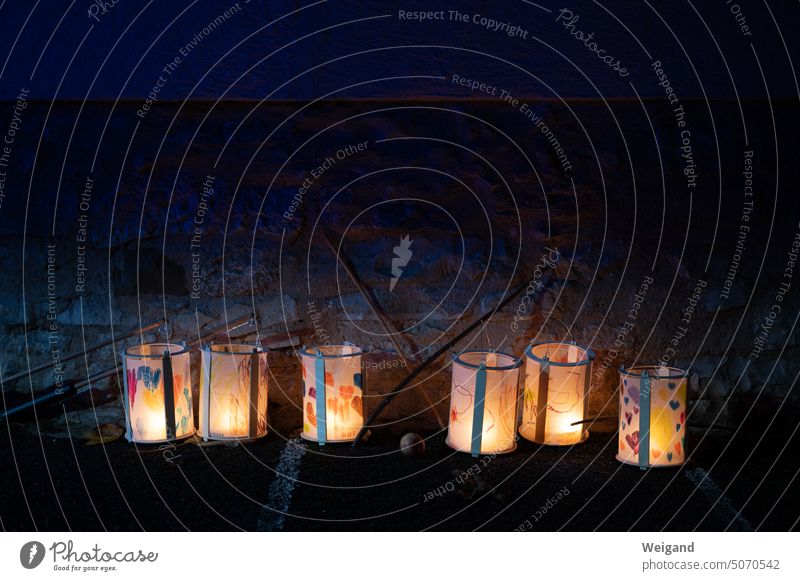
589 354
181 349
638 371
242 439
648 466
215 348
517 362
312 351
308 438
192 431
487 453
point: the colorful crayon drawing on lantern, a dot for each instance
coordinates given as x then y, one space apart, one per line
667 416
344 408
500 402
263 392
565 368
229 400
229 388
146 400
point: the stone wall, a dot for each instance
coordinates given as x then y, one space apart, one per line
206 211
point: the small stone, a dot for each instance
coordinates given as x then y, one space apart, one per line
716 388
412 445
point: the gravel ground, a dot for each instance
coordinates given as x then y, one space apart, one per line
118 486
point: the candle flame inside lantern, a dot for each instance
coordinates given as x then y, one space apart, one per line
342 382
228 399
497 430
557 379
229 420
665 390
144 387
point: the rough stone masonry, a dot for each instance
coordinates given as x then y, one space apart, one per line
128 247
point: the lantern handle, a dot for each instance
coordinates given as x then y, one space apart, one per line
566 328
225 330
570 337
164 330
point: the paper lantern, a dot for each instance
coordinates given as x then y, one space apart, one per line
333 408
233 392
556 396
483 403
652 416
158 392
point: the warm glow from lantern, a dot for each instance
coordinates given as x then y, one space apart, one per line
652 416
145 380
233 392
332 389
495 375
562 432
155 426
555 396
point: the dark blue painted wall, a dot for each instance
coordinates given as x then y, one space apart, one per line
56 49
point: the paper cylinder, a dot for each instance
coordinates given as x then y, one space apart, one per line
483 403
333 408
557 378
652 416
158 393
233 392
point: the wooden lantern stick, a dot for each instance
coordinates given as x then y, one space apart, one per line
387 399
59 394
594 419
88 349
386 323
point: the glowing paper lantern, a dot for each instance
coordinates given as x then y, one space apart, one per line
158 393
233 392
483 403
652 416
557 378
333 408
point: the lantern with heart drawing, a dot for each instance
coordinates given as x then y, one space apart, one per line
652 416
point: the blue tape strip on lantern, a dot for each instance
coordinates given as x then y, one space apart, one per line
207 419
319 377
128 433
644 422
169 397
477 413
